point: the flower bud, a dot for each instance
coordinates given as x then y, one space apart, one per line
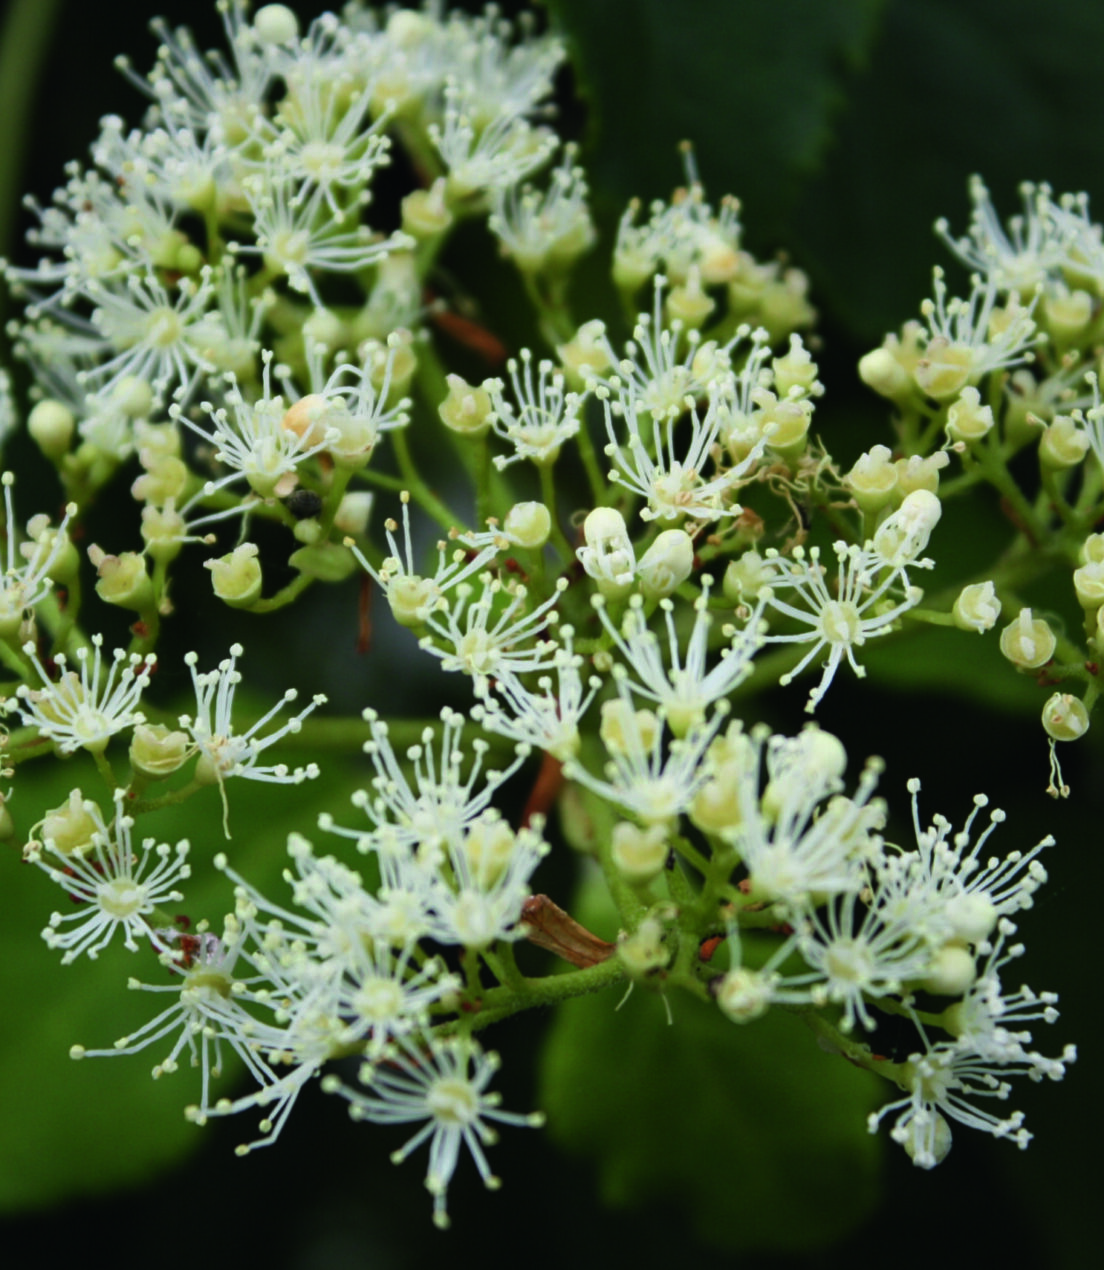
945 368
744 995
873 478
1088 582
157 751
950 972
644 951
425 213
971 915
977 607
466 409
52 425
968 420
236 578
903 536
164 480
796 369
882 371
586 355
528 525
608 555
353 512
1063 444
639 854
163 532
69 828
1065 717
622 727
1066 313
746 576
689 303
1026 642
324 561
666 564
123 580
275 24
1092 549
916 473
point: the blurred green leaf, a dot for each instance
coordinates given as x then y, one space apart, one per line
754 1131
76 1128
753 84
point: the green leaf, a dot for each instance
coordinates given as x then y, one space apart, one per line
80 1128
994 86
754 85
754 1131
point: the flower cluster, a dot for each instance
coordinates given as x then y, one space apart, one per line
224 325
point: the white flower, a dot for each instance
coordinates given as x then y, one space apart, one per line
209 1011
860 607
607 553
224 754
489 633
680 681
412 595
24 585
445 1086
1021 258
540 231
112 883
83 711
947 888
423 814
800 837
548 718
152 336
544 418
652 778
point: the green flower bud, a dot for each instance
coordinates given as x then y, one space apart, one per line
1028 642
52 425
968 420
639 854
873 478
157 751
236 578
425 214
466 409
1063 444
977 607
326 561
1065 717
528 525
667 563
123 580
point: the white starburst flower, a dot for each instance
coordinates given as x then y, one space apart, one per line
547 718
415 816
544 416
26 583
947 888
114 884
681 681
209 1011
152 336
481 158
545 231
413 596
223 753
323 136
944 1083
861 606
252 439
967 339
665 368
85 709
650 775
295 233
855 957
490 630
1017 258
444 1085
800 837
488 882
